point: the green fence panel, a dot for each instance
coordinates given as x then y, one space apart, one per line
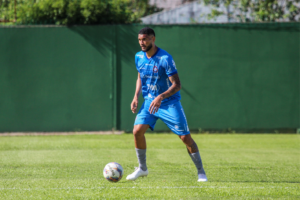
239 76
56 79
127 45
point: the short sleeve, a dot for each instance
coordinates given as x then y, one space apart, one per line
136 62
170 66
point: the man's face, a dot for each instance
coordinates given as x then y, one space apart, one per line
146 42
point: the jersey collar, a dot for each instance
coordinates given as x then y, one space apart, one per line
153 54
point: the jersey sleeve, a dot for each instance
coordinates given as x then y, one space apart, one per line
136 62
170 66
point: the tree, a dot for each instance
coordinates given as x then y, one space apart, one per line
70 12
258 10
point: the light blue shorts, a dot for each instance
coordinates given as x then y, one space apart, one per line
172 115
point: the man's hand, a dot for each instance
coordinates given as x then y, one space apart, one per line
155 104
134 105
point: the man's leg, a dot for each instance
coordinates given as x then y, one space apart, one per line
173 116
140 144
140 147
195 155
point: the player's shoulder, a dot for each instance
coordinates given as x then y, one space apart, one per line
163 55
140 54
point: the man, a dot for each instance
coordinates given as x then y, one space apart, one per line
159 82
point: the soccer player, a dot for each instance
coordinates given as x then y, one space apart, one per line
159 82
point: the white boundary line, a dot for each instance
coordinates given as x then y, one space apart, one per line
187 187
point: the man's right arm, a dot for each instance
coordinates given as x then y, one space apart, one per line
138 89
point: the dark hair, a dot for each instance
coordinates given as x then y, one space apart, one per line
147 30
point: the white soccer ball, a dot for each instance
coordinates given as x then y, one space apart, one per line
113 172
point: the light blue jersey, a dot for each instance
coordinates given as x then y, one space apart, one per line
155 73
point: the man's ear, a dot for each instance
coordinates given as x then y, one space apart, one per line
153 38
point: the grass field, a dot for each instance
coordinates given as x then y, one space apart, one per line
238 166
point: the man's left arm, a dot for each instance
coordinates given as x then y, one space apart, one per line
175 87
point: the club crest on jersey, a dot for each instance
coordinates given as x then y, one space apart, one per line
155 69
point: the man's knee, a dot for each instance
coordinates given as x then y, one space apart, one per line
190 143
139 131
187 139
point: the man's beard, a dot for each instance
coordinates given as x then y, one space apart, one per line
148 48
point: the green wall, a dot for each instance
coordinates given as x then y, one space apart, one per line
239 76
55 79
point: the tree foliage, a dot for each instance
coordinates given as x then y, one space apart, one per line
70 12
258 10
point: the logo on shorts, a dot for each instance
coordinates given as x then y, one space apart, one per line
155 69
176 127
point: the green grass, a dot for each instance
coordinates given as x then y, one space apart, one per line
248 166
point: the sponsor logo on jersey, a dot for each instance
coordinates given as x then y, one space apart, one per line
153 87
149 76
158 57
141 56
155 69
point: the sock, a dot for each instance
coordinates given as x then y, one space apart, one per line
197 161
141 154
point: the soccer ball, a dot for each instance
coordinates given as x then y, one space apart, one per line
113 172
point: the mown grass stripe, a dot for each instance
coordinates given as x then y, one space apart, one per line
189 187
